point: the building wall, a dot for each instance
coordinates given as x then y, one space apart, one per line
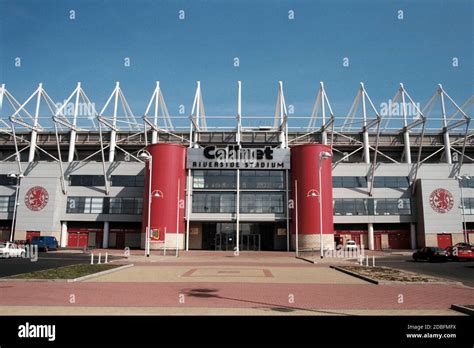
432 222
48 220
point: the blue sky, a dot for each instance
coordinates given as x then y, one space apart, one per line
382 50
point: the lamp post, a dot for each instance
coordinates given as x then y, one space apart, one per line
15 207
324 155
312 193
147 157
460 178
296 219
154 194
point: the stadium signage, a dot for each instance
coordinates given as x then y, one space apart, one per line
237 157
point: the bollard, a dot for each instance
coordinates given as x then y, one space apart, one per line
92 258
106 257
98 262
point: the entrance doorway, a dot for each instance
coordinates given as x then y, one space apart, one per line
377 241
259 236
218 236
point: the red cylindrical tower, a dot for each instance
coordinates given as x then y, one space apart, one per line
168 182
305 162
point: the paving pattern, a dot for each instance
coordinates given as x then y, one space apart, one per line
245 286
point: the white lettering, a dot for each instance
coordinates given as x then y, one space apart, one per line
37 331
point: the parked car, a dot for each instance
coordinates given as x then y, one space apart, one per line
460 251
351 245
45 242
430 254
9 249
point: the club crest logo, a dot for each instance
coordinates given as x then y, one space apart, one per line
36 198
155 234
441 200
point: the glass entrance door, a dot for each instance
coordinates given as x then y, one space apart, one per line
254 236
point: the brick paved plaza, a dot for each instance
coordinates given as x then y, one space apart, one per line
219 283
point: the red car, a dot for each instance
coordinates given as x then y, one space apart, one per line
460 251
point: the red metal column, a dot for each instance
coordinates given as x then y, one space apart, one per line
168 168
304 169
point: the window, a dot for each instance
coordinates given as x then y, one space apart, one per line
214 179
262 179
468 206
207 202
350 206
5 180
464 182
130 206
372 206
128 180
261 203
86 180
391 182
349 181
101 205
392 206
93 205
7 203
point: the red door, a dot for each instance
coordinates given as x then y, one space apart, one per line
31 234
72 239
82 239
444 240
77 239
120 240
377 241
399 239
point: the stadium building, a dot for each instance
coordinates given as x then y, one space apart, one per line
392 176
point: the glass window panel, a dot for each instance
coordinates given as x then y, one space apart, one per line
128 180
87 180
379 182
258 203
348 181
138 205
4 203
349 206
214 179
262 179
361 207
361 181
96 205
379 206
338 206
206 202
115 206
391 182
391 207
403 182
5 180
11 205
404 206
337 182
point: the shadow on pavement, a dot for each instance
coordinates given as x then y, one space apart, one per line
213 293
